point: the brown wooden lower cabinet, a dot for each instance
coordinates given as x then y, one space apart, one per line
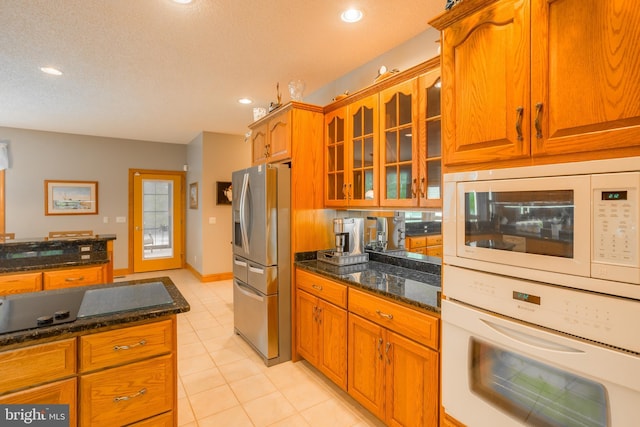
16 283
59 392
79 276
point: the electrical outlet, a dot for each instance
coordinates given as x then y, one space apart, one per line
121 219
212 220
105 219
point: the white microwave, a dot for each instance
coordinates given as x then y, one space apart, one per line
571 224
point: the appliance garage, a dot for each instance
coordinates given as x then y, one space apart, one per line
542 281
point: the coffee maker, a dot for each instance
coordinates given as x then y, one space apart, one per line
349 236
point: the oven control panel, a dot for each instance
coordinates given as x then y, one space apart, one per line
615 221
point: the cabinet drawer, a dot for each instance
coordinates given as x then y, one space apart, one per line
326 289
434 251
413 324
19 283
82 276
60 392
164 420
127 394
37 364
416 242
434 240
125 345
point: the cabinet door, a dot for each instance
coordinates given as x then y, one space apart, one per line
333 337
485 82
430 141
259 147
335 153
81 276
585 75
362 152
280 137
365 364
20 282
60 392
399 132
412 382
307 326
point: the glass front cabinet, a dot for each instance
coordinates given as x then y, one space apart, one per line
352 154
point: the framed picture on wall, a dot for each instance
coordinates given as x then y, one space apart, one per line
223 193
193 195
70 197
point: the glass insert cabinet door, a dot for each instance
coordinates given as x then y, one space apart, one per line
335 158
431 159
363 153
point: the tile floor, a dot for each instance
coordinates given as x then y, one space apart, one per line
222 381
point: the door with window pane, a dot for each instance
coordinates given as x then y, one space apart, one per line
157 220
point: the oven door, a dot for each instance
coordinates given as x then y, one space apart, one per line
501 372
524 223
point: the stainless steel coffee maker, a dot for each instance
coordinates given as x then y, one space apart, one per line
349 236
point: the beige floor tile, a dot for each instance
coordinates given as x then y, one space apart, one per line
228 355
185 414
306 393
212 401
252 387
239 369
199 363
269 409
330 413
295 420
200 381
233 417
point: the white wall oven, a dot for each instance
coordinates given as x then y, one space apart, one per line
542 278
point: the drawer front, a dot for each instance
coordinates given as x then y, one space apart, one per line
60 392
434 240
434 251
127 394
19 283
328 290
58 279
416 242
125 345
37 364
411 323
164 420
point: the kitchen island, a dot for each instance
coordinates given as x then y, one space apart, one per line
110 353
374 330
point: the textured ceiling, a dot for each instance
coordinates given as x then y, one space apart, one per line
158 71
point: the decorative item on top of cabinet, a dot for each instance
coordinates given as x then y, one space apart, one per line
272 135
532 82
351 147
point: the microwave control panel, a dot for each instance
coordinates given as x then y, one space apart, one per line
615 221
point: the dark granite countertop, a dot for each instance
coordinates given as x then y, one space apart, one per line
39 240
93 322
411 282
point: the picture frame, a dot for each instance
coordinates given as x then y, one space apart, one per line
223 193
70 197
193 195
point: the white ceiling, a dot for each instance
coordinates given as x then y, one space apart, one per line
158 71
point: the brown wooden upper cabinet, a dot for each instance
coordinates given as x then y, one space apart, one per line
351 144
538 78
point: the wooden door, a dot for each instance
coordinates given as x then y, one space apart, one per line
335 158
333 342
362 184
412 383
157 228
259 144
365 364
399 173
307 326
485 85
585 75
280 136
430 140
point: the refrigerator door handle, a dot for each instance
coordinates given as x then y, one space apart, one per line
240 263
243 212
248 292
256 270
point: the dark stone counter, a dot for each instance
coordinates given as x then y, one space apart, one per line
412 282
93 322
22 255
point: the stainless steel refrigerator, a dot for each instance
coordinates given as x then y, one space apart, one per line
261 260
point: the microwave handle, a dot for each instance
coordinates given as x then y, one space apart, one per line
523 338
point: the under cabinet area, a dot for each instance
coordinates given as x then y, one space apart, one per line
430 245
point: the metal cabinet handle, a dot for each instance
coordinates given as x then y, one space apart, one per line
538 122
319 315
317 287
129 347
74 279
414 187
386 352
380 348
519 113
124 398
423 187
344 190
267 148
385 315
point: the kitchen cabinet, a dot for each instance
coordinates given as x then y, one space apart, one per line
531 81
60 392
351 147
78 276
15 283
321 333
430 245
393 360
273 135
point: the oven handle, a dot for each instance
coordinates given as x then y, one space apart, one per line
527 339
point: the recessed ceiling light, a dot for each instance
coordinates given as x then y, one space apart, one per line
182 1
245 101
351 15
51 70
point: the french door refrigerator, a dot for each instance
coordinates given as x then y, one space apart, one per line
261 260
